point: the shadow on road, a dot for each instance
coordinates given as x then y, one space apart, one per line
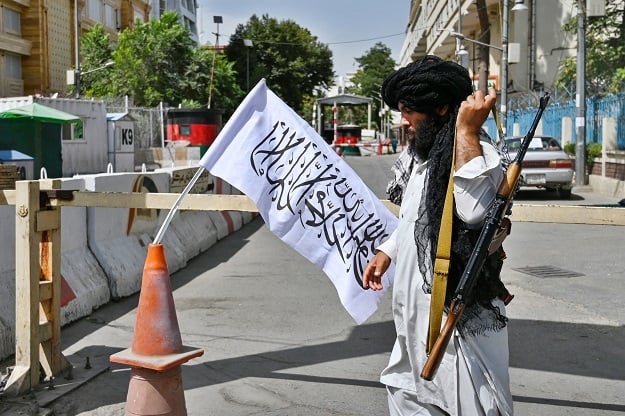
533 194
364 340
229 246
568 348
576 349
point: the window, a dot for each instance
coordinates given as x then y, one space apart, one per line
13 66
12 21
73 131
94 10
185 130
110 16
138 15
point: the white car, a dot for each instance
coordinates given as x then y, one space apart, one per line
545 164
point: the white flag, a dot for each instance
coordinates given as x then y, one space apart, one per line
307 195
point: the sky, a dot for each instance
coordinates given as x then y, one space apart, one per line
349 27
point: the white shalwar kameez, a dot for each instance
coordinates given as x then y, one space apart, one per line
473 376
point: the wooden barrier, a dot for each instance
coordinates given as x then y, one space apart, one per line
558 214
37 288
37 269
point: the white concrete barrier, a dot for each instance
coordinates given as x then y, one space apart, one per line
196 233
7 281
85 285
104 249
118 236
220 223
245 215
175 245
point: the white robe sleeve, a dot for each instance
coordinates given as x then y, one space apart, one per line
476 183
389 247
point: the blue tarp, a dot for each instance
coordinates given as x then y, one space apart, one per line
14 155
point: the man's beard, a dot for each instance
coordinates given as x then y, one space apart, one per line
425 136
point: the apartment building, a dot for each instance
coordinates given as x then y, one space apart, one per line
536 42
187 9
14 47
38 42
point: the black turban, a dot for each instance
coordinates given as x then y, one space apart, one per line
426 84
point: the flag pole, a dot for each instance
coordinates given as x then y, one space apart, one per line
174 208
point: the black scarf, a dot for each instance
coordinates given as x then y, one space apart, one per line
424 86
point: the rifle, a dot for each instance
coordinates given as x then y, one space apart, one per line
495 215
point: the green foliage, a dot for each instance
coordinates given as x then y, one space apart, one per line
593 151
152 57
569 148
191 104
373 67
225 94
96 49
157 61
605 53
292 60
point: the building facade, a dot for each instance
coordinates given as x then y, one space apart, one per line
14 47
187 9
537 44
39 42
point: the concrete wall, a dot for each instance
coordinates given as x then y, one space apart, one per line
104 249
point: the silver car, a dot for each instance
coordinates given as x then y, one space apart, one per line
545 164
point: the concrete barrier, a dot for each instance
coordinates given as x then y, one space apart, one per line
85 285
118 237
195 231
245 215
104 249
7 281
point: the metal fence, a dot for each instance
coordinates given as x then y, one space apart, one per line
149 122
597 109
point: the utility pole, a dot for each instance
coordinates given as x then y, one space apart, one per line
248 45
580 98
77 48
217 20
504 68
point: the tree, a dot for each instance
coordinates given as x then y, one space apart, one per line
152 57
292 60
605 52
97 50
373 67
157 61
226 94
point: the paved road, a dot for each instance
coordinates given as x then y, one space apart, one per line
277 341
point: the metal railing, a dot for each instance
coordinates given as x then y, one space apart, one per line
597 110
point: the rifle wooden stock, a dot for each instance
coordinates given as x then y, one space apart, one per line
509 182
439 347
496 213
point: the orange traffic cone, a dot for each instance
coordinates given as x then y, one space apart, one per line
157 352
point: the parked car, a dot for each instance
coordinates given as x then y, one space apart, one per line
545 164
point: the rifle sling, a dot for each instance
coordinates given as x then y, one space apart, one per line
441 265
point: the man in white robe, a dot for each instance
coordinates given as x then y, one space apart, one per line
435 98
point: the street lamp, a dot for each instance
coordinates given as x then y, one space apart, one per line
106 65
463 57
217 20
73 76
518 5
580 99
248 44
77 46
